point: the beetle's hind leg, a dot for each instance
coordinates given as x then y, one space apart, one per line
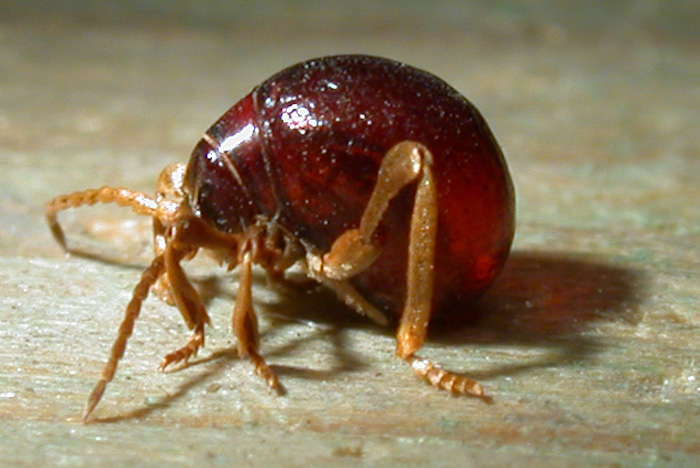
405 163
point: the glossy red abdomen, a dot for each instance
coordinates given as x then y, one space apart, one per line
304 147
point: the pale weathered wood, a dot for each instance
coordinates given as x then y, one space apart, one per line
588 343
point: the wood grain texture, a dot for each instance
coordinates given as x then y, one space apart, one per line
588 342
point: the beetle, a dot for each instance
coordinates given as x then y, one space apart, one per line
383 182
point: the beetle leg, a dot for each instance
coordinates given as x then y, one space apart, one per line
162 288
344 289
445 380
419 269
354 250
405 163
415 317
190 349
133 309
245 323
189 304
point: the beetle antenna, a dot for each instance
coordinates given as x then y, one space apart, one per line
148 278
140 202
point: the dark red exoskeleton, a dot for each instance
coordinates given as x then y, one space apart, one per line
381 180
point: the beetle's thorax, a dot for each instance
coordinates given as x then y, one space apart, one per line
226 171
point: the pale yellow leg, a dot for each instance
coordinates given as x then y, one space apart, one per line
162 288
405 163
245 324
188 303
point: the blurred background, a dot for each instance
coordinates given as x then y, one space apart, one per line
567 86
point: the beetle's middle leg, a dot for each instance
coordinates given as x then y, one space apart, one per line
245 322
405 163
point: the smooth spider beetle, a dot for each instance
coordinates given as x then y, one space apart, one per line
379 179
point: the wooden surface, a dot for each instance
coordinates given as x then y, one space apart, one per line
588 343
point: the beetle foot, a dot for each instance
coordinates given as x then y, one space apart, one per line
446 380
266 372
185 353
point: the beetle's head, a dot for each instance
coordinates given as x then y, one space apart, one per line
170 201
169 189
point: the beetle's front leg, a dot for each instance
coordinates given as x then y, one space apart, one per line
189 304
405 163
162 287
